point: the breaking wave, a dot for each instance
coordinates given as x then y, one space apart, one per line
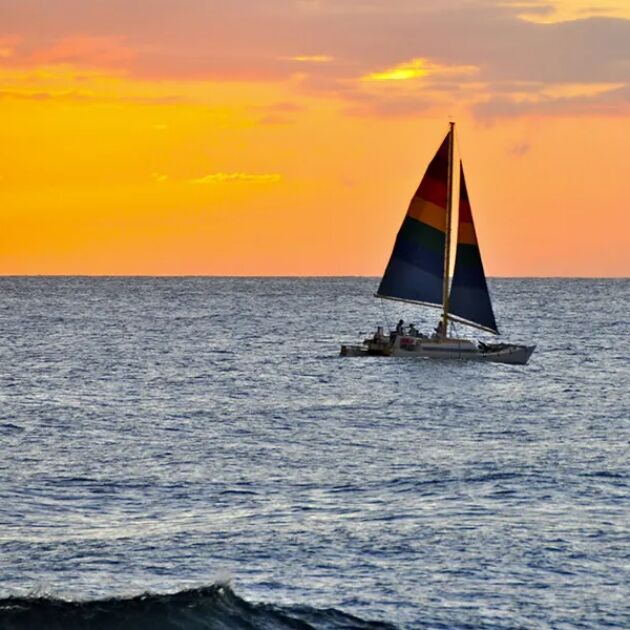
214 607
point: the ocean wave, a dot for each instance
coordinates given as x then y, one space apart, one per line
214 607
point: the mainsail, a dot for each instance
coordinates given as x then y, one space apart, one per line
415 271
469 298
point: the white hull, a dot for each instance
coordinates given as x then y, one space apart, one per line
422 347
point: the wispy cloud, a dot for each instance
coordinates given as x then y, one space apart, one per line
554 11
281 107
416 68
402 72
579 90
312 58
608 100
519 149
41 95
221 178
8 45
278 113
84 51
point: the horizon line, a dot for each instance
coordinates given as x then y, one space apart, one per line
293 276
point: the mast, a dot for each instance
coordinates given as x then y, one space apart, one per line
447 245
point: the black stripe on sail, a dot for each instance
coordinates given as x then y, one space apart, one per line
472 302
405 281
416 267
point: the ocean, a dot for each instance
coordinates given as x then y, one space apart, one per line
193 453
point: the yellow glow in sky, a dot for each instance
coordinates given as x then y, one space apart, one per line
313 58
566 10
416 68
403 72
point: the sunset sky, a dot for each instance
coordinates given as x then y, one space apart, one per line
284 137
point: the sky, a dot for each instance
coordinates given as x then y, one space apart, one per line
286 137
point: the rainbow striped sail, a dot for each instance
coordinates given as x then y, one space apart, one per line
469 298
415 271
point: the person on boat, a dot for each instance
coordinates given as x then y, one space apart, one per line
439 330
413 331
400 326
378 335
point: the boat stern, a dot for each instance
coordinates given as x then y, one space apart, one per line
515 354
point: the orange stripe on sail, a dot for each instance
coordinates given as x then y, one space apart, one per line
427 212
466 234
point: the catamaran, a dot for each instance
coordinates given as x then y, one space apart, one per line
418 272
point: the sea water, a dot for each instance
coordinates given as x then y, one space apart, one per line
193 453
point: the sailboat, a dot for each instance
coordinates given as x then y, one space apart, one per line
418 272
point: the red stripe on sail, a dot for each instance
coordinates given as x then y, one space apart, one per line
433 190
465 214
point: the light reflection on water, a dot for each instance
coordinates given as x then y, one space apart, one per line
159 432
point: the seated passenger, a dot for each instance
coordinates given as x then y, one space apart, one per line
439 330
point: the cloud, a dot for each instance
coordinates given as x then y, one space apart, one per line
8 44
274 119
402 72
43 95
333 48
553 11
24 95
417 68
281 107
221 178
312 58
279 113
519 149
85 51
390 107
611 102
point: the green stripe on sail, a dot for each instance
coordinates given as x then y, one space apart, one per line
468 255
422 234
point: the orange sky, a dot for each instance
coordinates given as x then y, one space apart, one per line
287 137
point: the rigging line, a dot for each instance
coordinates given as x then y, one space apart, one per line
382 301
449 217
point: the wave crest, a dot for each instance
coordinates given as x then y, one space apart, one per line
214 607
